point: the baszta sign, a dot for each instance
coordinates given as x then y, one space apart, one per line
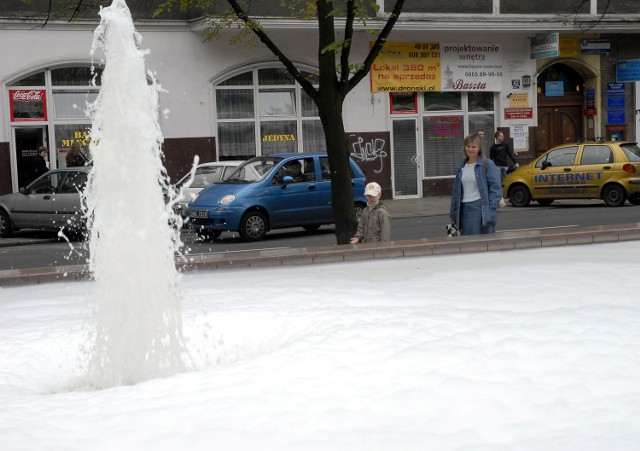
28 105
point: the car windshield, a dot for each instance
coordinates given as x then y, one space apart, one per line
632 151
253 170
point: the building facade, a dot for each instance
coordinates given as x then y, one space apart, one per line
450 68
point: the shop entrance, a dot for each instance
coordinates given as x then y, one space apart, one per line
406 160
560 107
27 140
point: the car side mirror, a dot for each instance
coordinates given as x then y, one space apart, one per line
22 190
286 180
545 164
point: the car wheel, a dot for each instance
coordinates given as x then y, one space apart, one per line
311 228
253 226
5 225
208 235
614 195
545 202
519 196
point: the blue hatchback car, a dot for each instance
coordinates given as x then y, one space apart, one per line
271 192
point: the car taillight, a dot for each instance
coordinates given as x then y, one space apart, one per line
629 168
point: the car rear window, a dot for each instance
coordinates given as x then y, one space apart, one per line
632 151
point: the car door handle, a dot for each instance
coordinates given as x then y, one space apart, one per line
47 197
607 167
311 187
567 169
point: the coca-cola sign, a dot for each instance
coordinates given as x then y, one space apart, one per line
28 96
28 105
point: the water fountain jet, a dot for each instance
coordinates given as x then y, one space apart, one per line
137 317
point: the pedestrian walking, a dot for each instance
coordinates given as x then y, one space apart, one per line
500 153
40 165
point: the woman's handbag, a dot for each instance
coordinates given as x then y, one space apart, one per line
452 230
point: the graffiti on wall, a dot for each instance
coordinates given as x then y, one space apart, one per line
372 153
369 150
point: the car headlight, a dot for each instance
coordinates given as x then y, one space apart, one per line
227 199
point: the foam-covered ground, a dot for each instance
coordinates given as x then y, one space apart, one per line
526 350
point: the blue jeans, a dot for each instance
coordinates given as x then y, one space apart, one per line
503 171
471 219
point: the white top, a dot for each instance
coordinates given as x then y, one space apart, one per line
470 191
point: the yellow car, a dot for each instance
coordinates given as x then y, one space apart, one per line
590 170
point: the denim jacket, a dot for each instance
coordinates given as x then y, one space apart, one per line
490 186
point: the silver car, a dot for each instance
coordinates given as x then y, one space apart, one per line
51 202
206 174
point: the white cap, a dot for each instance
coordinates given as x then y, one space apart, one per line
372 189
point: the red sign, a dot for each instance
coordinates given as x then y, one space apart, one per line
590 112
28 105
518 113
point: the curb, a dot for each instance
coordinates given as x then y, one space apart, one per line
501 241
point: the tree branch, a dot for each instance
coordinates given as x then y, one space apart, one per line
266 40
348 37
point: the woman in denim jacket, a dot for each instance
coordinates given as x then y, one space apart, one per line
476 191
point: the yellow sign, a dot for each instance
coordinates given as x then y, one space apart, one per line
519 100
407 66
568 47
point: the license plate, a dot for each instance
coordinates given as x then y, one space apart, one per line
198 214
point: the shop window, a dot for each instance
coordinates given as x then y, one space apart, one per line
236 140
313 136
76 76
278 137
244 79
31 80
73 105
442 101
442 142
235 104
309 107
274 76
277 102
403 102
283 118
447 117
480 101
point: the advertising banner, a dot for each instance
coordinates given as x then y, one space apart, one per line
406 66
28 105
545 45
471 67
432 66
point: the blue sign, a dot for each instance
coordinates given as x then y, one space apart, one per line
595 46
554 88
628 71
615 102
615 117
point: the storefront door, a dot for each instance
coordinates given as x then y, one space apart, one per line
558 125
26 141
406 160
